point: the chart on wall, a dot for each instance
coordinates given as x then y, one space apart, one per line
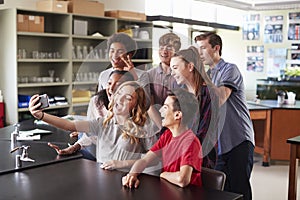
294 26
251 25
255 58
276 62
273 29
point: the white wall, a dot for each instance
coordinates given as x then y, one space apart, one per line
26 4
129 5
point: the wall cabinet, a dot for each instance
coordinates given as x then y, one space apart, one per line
49 62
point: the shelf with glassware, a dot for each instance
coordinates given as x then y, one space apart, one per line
90 53
89 57
32 57
43 64
36 45
141 32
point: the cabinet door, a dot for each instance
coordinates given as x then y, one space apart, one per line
285 125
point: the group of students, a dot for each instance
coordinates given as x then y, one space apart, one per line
175 114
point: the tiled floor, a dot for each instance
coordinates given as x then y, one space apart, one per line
271 183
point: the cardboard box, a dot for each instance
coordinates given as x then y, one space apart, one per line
52 6
81 96
22 22
36 23
86 7
80 27
126 15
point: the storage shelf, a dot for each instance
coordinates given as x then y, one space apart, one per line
89 37
142 40
58 36
26 85
31 60
49 108
91 60
85 82
142 60
80 104
34 34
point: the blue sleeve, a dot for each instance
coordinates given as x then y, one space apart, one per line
231 77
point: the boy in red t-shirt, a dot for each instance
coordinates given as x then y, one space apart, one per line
178 148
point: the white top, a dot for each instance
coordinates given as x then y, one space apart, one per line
111 145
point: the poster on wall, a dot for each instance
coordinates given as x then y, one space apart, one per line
273 29
251 27
255 58
294 26
276 59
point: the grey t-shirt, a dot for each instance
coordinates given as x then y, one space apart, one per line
111 145
234 122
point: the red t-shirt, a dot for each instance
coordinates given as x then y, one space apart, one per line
175 152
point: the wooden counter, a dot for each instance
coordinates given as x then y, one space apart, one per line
261 118
273 125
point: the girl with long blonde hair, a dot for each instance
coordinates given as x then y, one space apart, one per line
122 136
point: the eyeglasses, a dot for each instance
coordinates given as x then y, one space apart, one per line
166 48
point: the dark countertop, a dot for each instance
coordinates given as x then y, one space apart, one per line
84 179
40 152
39 149
57 135
255 106
271 104
294 140
277 83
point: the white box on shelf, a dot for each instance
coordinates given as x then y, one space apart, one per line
80 27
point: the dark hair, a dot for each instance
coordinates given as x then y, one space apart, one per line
213 39
170 39
191 55
102 98
126 75
185 102
126 40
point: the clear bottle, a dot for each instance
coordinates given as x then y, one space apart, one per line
24 53
13 137
85 52
91 53
101 54
79 52
96 55
73 53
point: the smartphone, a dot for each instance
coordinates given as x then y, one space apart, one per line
44 100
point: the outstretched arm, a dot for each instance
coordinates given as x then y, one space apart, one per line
67 151
51 119
131 180
181 178
117 164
